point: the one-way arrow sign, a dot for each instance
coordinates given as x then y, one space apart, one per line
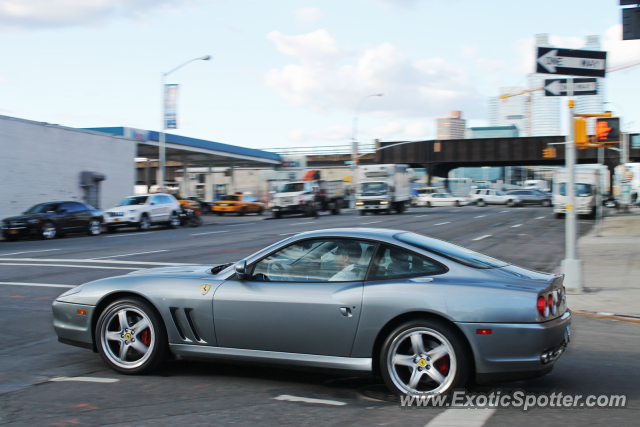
570 87
570 62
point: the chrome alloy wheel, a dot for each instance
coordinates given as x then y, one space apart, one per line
48 230
175 220
422 361
94 227
127 337
144 223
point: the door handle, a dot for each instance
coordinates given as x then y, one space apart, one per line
346 311
422 279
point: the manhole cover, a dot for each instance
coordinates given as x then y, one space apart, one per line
379 392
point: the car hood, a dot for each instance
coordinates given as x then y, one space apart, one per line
26 217
123 208
181 271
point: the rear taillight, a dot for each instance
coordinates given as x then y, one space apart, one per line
553 309
543 307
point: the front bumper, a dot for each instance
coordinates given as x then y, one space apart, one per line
70 326
588 210
515 351
288 208
20 230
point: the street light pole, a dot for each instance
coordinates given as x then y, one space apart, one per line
161 136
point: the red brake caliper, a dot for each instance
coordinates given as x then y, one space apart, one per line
442 365
145 337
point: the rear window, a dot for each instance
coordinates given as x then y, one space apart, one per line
450 251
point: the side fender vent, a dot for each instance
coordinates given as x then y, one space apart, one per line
176 322
192 324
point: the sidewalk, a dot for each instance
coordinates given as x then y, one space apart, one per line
611 270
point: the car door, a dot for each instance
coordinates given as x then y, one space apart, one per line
297 300
67 216
84 216
158 209
447 199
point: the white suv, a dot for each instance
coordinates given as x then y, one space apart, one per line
143 212
493 197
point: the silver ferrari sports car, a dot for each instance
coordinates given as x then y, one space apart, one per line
422 313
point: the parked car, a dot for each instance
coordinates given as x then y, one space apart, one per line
440 199
426 315
143 212
205 207
533 197
238 203
53 219
483 197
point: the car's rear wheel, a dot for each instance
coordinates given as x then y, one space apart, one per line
95 227
482 203
457 203
546 203
144 223
174 220
131 337
424 357
428 204
510 203
49 231
242 211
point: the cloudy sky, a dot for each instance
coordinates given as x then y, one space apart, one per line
289 72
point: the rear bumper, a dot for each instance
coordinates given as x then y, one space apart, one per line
515 351
71 327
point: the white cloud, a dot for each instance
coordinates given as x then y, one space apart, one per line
526 51
332 133
327 78
307 14
21 15
619 51
387 131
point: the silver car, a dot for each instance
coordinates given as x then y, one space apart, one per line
424 314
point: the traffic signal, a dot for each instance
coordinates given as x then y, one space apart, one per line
608 129
549 152
580 136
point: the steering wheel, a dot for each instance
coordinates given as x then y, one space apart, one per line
275 269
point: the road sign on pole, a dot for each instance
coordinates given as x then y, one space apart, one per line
571 62
570 87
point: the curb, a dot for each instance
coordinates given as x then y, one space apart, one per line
611 316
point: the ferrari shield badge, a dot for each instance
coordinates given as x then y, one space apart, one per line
204 289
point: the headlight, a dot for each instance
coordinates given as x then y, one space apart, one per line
34 221
359 203
72 291
384 202
131 212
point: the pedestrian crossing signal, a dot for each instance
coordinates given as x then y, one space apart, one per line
608 129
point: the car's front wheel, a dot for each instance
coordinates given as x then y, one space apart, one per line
144 223
510 203
49 231
546 203
174 220
481 203
424 357
131 337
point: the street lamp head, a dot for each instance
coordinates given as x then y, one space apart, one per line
206 58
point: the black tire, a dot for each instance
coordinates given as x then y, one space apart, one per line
260 211
91 227
558 215
510 203
546 203
428 204
363 212
455 373
457 203
482 203
219 213
49 231
174 220
277 215
145 223
194 221
336 209
242 211
11 238
158 343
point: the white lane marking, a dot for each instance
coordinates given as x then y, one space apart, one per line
46 285
482 237
540 217
309 400
480 216
443 223
210 232
131 234
461 418
420 216
302 223
516 226
287 234
522 234
28 252
372 222
101 261
86 379
504 211
71 265
137 253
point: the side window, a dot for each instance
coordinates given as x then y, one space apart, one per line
78 207
395 263
157 199
320 260
70 207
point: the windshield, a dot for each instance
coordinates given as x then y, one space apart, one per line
134 200
43 208
293 187
373 188
582 190
426 191
231 198
449 250
501 193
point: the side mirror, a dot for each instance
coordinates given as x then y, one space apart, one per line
241 270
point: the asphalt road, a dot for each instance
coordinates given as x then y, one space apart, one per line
602 357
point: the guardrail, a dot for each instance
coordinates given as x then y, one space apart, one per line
322 150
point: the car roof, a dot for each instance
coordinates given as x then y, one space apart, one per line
362 233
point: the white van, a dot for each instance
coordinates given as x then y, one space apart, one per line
586 185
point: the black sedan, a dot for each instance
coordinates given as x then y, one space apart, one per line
533 197
48 220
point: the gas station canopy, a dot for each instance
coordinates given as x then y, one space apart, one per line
195 152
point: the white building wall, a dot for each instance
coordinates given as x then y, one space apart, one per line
42 163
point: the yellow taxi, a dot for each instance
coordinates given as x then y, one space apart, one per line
238 203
